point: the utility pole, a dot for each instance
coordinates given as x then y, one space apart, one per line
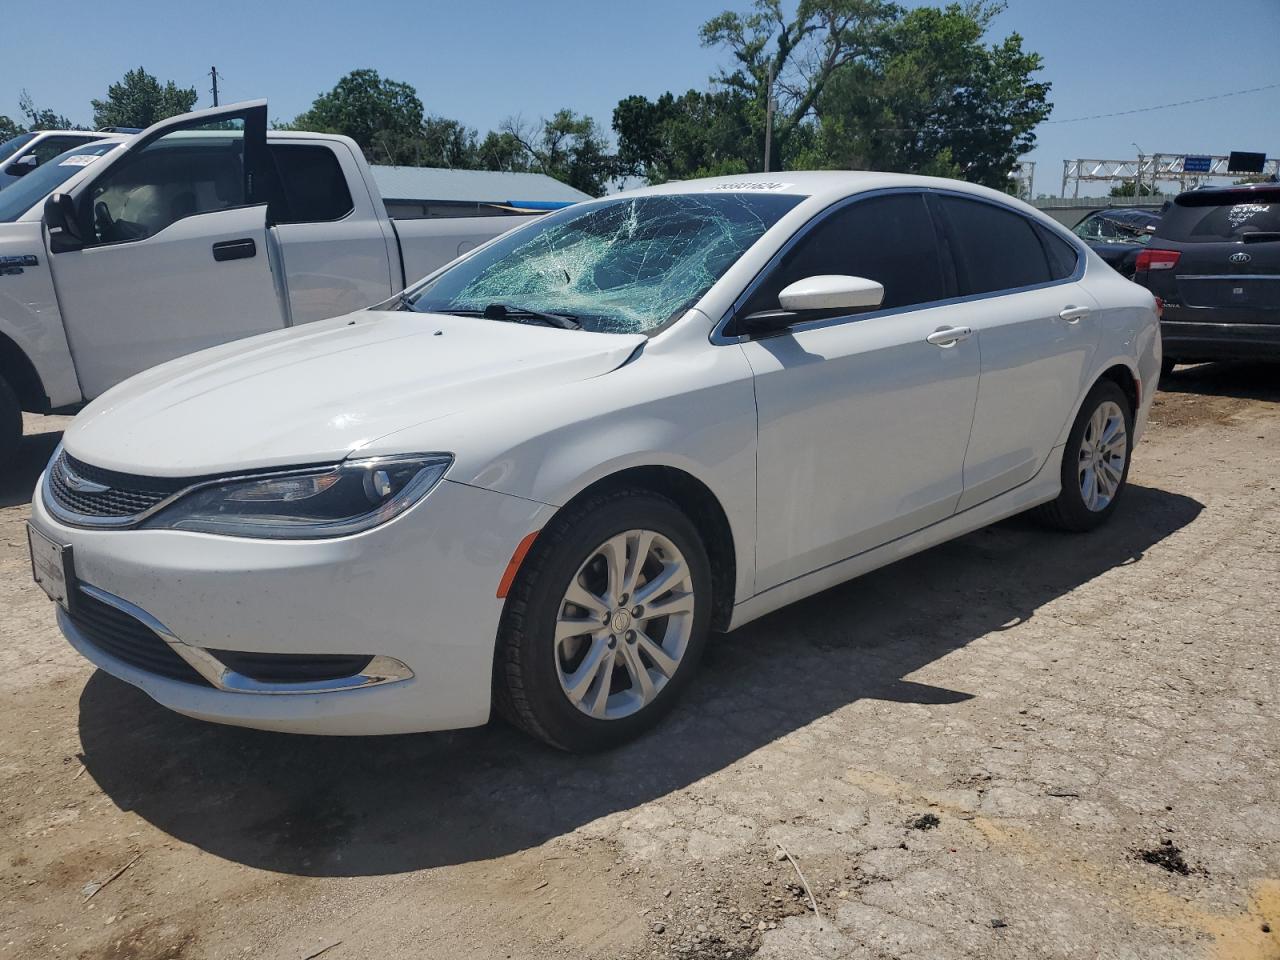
768 120
213 72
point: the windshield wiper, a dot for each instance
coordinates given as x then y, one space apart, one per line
502 311
406 301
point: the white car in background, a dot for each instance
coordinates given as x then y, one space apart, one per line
27 152
540 477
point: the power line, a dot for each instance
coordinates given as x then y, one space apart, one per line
1166 106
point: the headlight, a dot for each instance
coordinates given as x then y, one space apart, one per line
325 502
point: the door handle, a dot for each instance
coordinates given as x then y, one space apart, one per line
949 336
1073 314
235 249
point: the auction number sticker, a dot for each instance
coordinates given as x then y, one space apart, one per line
752 185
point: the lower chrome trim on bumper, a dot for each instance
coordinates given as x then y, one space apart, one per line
379 670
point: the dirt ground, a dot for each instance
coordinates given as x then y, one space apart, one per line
1020 744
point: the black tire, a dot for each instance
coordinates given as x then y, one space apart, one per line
527 686
1069 511
10 423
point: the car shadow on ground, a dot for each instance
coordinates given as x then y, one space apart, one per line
346 807
18 479
1244 380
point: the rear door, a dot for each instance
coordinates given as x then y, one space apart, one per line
332 246
176 256
1037 329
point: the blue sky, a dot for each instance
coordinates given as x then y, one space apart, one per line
481 61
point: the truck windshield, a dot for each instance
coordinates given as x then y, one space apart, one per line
616 266
14 144
17 199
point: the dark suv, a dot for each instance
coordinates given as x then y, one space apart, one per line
1215 262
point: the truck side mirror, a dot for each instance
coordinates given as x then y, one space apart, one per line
23 165
63 223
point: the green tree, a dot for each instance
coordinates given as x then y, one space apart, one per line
447 143
569 147
935 99
501 150
9 129
41 118
139 100
385 117
803 53
694 135
1129 188
858 84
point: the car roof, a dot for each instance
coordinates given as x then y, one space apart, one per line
820 184
94 134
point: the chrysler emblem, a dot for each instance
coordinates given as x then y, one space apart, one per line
1240 257
79 484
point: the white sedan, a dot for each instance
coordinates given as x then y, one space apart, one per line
539 478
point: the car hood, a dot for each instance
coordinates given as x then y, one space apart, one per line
315 393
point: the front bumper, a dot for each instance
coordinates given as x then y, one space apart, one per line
419 590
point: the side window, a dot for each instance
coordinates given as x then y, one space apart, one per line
50 147
889 239
185 172
995 249
313 188
1063 257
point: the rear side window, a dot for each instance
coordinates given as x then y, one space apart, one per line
1215 224
1062 255
313 186
50 147
995 249
888 239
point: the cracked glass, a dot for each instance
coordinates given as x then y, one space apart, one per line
613 266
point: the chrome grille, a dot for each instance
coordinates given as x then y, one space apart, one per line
125 495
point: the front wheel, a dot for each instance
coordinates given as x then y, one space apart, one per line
1095 463
10 423
605 623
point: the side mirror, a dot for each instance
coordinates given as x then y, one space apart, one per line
828 294
63 223
23 165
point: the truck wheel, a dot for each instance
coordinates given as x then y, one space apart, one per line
10 422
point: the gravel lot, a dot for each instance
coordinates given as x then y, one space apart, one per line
973 753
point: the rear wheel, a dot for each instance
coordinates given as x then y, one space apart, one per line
10 422
605 623
1095 463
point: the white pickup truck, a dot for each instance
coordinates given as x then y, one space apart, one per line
199 230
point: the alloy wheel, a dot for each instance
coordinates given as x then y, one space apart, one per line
1103 450
624 624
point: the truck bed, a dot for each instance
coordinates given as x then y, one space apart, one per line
427 244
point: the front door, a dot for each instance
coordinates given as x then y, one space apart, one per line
175 257
863 421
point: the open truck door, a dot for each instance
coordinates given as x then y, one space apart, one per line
165 250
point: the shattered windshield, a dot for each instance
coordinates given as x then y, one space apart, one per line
614 266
